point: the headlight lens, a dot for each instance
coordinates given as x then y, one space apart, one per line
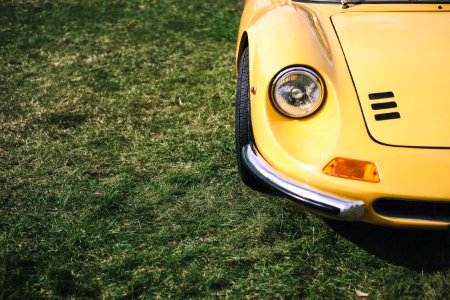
297 92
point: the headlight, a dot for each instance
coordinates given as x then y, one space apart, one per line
297 92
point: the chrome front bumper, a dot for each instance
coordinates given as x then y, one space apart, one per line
320 203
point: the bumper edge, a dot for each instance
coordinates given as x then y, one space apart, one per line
317 202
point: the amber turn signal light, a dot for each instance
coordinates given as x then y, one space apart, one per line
352 169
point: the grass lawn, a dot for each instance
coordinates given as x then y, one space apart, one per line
118 175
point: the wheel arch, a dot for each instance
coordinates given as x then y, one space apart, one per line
243 43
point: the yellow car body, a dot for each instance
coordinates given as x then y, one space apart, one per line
394 49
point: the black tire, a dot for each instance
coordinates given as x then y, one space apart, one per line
243 122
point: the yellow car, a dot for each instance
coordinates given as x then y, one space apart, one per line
344 107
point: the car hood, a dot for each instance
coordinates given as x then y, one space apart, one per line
400 65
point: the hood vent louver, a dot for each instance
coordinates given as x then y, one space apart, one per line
378 96
388 116
384 105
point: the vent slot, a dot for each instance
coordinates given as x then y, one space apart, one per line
388 116
378 96
384 105
413 209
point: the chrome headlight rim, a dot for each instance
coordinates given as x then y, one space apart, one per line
303 70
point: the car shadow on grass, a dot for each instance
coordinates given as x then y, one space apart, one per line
419 250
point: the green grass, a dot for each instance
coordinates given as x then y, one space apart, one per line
118 175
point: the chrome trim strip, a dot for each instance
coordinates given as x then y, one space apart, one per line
320 203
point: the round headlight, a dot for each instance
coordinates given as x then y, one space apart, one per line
297 92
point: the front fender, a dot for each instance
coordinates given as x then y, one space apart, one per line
253 11
287 35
